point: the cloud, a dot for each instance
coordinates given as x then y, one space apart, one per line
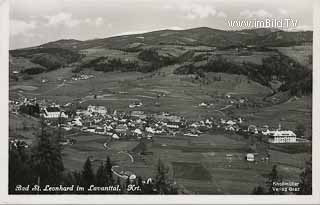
194 11
99 21
283 11
255 14
221 14
62 18
21 27
88 20
301 28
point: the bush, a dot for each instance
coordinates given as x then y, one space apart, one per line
33 70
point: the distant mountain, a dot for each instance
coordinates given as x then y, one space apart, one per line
150 51
193 37
63 43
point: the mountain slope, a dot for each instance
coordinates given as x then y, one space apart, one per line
192 37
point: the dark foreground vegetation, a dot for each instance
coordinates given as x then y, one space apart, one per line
42 165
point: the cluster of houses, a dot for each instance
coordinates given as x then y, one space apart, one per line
135 123
82 77
138 124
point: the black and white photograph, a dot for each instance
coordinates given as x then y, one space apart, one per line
137 97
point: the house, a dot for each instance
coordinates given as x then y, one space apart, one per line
253 129
108 127
115 136
282 136
137 132
203 104
167 117
138 114
53 113
135 104
191 135
173 125
229 128
230 122
91 129
77 121
150 130
250 157
97 109
100 130
66 127
122 128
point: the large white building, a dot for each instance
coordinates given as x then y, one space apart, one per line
281 136
53 112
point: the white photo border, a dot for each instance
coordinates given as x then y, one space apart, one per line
154 199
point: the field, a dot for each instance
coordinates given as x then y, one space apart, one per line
197 165
301 53
213 163
294 111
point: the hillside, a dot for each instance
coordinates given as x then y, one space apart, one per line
264 55
193 37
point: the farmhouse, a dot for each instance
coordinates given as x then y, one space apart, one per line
53 112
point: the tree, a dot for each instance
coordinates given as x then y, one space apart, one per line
143 146
272 177
20 172
259 190
108 170
305 184
161 181
46 159
101 176
300 130
88 177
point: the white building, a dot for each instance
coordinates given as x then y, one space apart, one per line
53 113
77 121
250 157
281 136
97 109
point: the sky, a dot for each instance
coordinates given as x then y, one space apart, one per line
34 22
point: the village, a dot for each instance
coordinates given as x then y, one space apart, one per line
139 125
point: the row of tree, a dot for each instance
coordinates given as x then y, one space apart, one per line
106 64
30 109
